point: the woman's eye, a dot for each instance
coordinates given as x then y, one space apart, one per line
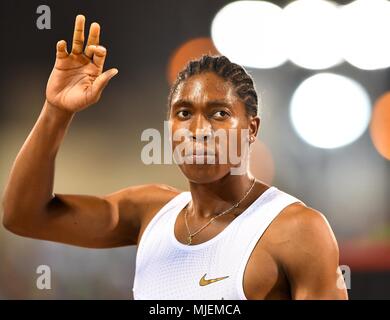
221 114
184 114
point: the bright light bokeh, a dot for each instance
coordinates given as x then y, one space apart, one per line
365 29
250 33
261 163
380 125
312 33
329 110
192 49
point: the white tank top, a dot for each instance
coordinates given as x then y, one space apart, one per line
167 269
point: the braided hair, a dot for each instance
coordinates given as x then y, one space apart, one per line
222 66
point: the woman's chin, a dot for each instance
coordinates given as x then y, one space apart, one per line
204 173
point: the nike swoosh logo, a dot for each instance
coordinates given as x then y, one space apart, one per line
204 282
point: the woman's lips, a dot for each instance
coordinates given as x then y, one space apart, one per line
198 149
199 154
199 159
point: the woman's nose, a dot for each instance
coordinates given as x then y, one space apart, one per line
201 129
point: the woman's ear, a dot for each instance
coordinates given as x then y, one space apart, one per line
254 127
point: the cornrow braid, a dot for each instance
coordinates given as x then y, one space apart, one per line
232 72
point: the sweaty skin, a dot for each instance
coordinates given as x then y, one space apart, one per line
297 257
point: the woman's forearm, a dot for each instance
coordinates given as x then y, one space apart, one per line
30 183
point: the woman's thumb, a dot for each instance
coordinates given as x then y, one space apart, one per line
102 80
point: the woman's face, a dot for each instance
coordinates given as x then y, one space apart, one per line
205 117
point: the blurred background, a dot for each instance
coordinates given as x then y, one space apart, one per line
320 67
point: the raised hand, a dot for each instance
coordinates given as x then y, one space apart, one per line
77 80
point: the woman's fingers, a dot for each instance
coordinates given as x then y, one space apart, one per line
99 55
93 38
61 49
78 35
92 50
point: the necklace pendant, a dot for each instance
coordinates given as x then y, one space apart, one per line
189 240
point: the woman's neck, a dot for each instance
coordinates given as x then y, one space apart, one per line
210 199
